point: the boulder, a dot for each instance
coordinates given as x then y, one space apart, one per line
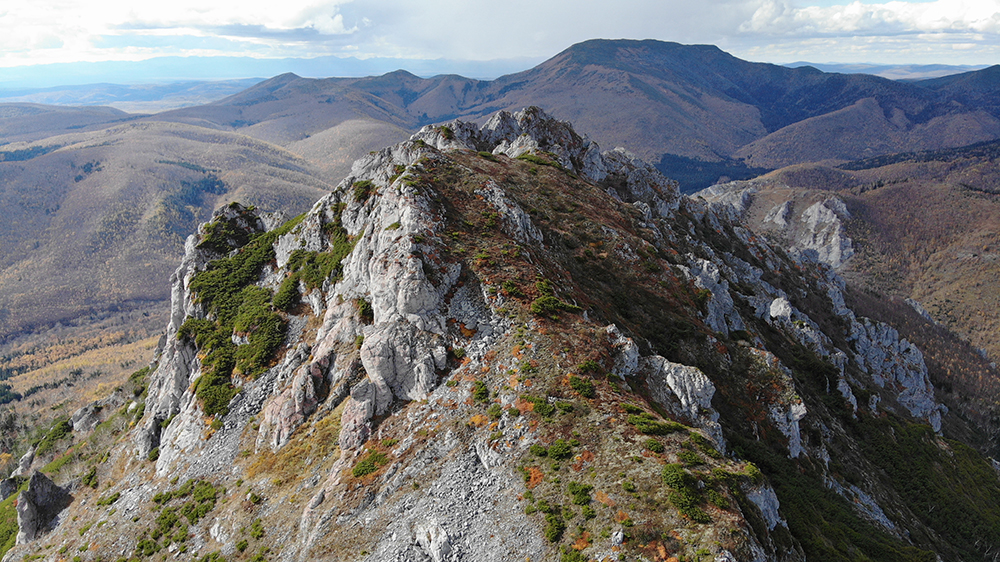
39 506
8 487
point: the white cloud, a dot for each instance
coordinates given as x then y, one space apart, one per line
72 30
198 14
777 17
44 31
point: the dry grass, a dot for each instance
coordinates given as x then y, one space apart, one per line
314 444
106 229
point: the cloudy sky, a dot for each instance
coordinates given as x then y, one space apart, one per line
69 31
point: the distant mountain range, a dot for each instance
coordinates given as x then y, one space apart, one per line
141 98
892 71
697 112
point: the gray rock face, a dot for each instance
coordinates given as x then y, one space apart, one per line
686 391
86 419
817 234
786 418
627 353
767 502
721 316
24 465
815 231
516 222
38 507
864 504
294 402
7 487
898 365
531 130
823 235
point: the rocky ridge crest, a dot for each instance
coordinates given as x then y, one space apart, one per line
514 321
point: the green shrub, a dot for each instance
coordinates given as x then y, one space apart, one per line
257 529
590 366
90 479
538 450
220 235
753 473
494 411
654 445
215 390
369 464
704 445
165 522
580 493
554 527
8 524
690 458
582 386
632 409
480 392
717 499
226 290
675 476
365 311
511 288
645 423
59 430
544 286
147 547
540 406
684 494
560 450
687 504
701 297
288 294
313 268
108 500
629 486
547 305
362 190
535 159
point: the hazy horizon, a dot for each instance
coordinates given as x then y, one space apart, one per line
33 79
192 39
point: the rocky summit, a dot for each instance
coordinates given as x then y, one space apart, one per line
500 343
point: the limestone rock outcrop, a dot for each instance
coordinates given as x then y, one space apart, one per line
39 506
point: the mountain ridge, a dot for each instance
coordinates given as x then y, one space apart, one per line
689 101
503 327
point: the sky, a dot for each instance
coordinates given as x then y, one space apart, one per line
525 32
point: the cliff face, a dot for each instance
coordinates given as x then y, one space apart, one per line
499 343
